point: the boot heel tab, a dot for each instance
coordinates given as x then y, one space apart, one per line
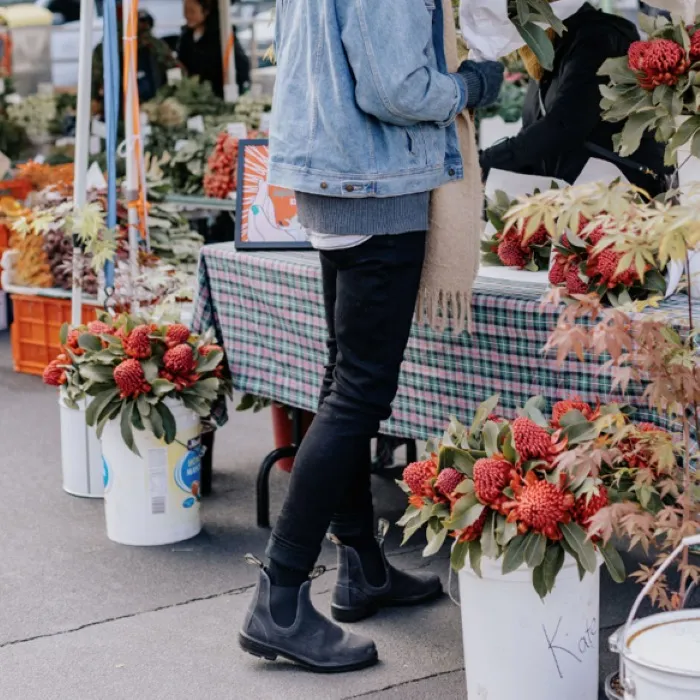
316 572
253 561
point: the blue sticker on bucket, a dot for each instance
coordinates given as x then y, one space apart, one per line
187 475
105 473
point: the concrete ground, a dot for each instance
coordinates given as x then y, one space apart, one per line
82 618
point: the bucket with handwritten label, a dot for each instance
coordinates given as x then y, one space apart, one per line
518 646
153 498
660 654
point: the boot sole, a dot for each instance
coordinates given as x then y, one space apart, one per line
269 653
356 614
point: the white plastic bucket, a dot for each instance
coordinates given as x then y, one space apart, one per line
660 655
153 499
81 455
517 646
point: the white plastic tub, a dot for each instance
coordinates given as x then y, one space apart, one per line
518 647
153 499
81 454
660 655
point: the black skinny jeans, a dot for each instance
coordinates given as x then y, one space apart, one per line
370 294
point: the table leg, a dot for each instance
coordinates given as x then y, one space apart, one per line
263 483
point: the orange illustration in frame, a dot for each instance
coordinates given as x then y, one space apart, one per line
267 214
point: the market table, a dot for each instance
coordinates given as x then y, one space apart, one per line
267 310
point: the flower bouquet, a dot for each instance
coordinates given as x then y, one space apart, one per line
654 85
504 490
524 246
602 239
131 370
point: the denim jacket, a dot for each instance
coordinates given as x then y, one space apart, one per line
363 105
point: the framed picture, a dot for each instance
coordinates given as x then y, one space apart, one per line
266 215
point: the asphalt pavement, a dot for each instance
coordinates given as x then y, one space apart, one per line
82 618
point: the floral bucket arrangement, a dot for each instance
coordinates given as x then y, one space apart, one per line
147 387
525 248
529 504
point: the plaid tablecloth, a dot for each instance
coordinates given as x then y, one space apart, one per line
267 310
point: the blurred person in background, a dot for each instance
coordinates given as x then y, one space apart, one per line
155 59
562 122
199 49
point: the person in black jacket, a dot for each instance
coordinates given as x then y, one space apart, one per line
199 49
562 122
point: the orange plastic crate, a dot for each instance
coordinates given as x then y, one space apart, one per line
36 328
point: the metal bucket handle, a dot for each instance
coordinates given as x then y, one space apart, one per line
687 542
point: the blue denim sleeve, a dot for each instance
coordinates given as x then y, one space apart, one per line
387 44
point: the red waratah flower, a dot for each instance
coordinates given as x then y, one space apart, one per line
54 374
588 505
179 360
207 349
99 328
539 237
650 428
635 55
448 480
695 47
540 506
557 272
177 334
130 379
574 283
531 440
596 235
561 408
491 476
511 253
138 343
417 475
605 264
658 62
72 341
473 532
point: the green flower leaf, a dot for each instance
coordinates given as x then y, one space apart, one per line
126 427
614 563
575 537
161 387
458 555
489 543
435 541
536 38
169 425
514 555
98 405
475 554
90 342
491 431
210 362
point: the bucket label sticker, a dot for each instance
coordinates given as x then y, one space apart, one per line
106 480
187 473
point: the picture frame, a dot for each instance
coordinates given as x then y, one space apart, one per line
266 215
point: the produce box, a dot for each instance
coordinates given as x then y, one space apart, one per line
35 329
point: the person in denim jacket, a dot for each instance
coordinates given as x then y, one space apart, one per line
362 130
